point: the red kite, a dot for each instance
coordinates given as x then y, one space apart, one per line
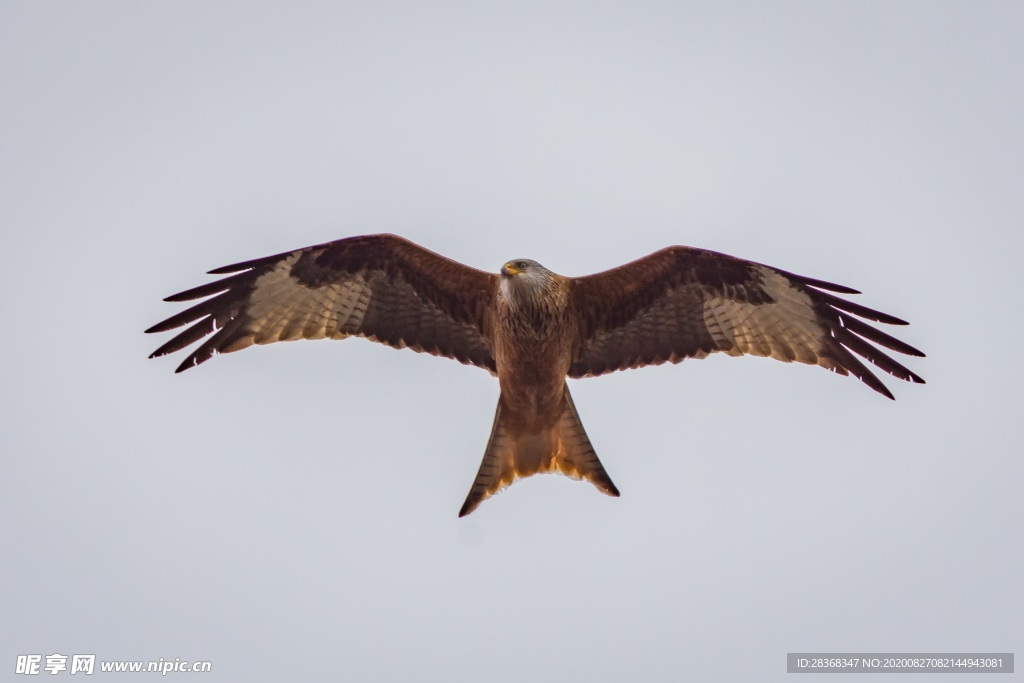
533 328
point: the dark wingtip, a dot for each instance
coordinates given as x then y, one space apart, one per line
814 282
830 286
197 292
879 387
247 265
185 365
880 317
856 309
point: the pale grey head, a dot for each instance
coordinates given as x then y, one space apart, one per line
525 280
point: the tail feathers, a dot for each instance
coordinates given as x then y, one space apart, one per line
564 448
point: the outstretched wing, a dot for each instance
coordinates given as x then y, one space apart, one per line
683 303
381 287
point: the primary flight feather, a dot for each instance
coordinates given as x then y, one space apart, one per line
533 328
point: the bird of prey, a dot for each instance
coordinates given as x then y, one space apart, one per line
533 328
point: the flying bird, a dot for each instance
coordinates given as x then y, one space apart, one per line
533 328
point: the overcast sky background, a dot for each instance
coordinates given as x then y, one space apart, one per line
290 512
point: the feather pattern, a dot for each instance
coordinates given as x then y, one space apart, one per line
533 328
683 303
381 287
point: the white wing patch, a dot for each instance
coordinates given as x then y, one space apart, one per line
283 310
787 330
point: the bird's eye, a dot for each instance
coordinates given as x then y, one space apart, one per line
521 265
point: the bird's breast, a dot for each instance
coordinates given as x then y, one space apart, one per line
533 355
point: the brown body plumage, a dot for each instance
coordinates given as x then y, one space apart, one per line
533 328
536 427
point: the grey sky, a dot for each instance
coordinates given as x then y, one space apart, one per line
290 512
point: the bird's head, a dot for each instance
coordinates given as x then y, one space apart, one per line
525 278
520 266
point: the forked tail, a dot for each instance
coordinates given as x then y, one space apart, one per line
563 448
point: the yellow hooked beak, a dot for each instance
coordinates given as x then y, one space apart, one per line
509 269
